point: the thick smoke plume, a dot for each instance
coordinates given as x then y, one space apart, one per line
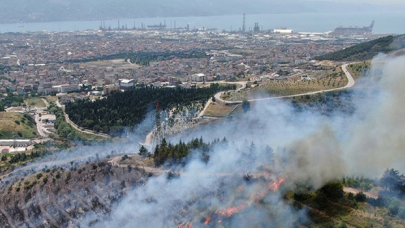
307 148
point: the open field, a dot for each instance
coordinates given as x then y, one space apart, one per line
16 125
319 81
35 102
219 110
118 63
244 52
51 98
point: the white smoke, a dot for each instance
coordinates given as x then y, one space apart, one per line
311 148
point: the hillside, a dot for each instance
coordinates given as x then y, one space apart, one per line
58 196
126 109
367 50
15 125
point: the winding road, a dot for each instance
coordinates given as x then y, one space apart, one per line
350 84
86 131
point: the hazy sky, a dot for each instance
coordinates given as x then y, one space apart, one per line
383 2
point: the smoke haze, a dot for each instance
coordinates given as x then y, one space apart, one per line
309 148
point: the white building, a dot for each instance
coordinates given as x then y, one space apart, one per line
16 142
283 31
126 84
198 77
305 78
65 88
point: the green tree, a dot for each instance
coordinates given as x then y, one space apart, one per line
143 151
333 190
246 105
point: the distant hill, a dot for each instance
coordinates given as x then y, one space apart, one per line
17 11
367 50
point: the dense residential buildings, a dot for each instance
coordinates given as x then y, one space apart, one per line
98 62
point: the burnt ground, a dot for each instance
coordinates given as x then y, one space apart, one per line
58 197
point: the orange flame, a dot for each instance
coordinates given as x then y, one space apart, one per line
276 185
190 225
207 221
230 211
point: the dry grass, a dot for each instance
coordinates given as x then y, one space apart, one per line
35 102
51 98
329 80
219 110
15 125
358 70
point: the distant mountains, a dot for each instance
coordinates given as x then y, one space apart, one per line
17 11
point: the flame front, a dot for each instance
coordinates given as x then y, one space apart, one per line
276 185
207 221
230 211
190 225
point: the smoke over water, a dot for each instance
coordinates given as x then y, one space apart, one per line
307 147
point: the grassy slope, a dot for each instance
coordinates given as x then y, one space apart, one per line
9 125
219 110
333 79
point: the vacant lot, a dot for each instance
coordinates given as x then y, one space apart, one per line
219 110
35 102
16 125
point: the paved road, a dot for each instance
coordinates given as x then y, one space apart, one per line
350 84
218 95
77 127
40 127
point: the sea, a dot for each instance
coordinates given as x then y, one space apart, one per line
386 22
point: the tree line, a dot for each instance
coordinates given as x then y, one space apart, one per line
175 153
365 51
126 109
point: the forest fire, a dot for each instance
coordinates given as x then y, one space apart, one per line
190 225
276 185
228 212
207 221
220 214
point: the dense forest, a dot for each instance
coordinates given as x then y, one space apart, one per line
126 109
367 50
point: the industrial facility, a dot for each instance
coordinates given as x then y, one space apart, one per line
354 30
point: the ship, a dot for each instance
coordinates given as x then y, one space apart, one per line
366 30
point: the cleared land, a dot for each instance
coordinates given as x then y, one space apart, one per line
35 102
219 110
16 125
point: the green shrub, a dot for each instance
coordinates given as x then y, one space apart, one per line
361 197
